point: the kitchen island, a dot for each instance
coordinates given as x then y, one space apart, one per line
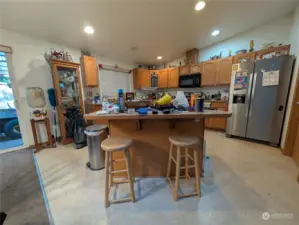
150 134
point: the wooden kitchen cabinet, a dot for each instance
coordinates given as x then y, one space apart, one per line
195 68
184 70
217 123
141 78
224 71
163 78
173 77
244 57
90 71
209 70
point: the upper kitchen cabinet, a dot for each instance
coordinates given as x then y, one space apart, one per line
184 70
196 68
243 57
90 71
209 70
163 78
141 78
173 77
224 71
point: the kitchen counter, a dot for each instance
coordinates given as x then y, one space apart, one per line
150 134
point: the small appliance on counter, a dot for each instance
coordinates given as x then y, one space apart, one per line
130 96
190 81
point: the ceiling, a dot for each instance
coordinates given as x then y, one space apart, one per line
151 27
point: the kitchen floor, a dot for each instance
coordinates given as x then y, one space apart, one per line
242 181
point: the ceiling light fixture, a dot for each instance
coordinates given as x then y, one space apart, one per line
200 6
215 32
89 30
159 57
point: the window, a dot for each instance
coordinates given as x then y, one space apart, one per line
4 75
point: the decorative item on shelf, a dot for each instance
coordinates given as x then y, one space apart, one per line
114 68
242 51
63 56
268 45
229 52
214 57
251 45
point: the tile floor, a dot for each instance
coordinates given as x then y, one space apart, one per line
242 181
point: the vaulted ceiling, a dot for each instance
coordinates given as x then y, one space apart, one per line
150 27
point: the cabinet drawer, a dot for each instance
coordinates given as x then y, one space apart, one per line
216 105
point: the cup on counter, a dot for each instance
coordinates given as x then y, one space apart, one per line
199 104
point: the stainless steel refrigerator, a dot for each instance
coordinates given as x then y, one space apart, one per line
258 98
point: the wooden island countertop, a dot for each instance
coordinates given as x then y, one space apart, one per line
150 135
136 116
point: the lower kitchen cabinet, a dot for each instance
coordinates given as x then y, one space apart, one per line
217 123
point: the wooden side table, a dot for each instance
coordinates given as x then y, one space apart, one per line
39 146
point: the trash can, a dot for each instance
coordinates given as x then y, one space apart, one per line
95 135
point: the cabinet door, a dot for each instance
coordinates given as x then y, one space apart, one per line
195 68
173 77
218 123
224 72
209 70
141 78
163 78
207 122
184 70
90 71
144 78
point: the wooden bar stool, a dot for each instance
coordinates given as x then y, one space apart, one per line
187 142
111 145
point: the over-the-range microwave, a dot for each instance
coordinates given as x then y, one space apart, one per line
190 81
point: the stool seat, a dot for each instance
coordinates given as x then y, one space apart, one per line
116 144
184 141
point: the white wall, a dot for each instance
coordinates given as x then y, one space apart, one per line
30 69
277 31
295 51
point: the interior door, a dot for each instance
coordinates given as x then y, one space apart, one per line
209 73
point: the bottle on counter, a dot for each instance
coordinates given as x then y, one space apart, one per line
121 102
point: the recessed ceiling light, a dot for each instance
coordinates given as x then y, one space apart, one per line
159 57
215 32
200 6
89 29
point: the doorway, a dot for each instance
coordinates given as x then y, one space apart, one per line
10 133
292 142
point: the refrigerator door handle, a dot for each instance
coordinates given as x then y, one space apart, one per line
253 92
248 94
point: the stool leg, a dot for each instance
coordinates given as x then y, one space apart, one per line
177 175
107 160
169 161
186 163
111 168
197 173
129 168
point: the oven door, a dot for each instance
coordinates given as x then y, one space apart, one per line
190 81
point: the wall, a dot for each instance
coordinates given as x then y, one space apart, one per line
295 51
277 31
29 68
